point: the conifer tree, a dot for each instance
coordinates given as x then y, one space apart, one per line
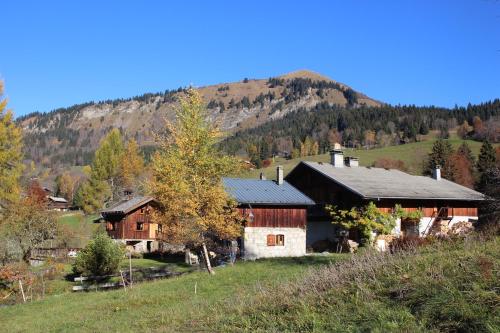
103 185
186 180
487 158
10 154
441 151
487 167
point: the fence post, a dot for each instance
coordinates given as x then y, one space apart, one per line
130 266
123 280
22 291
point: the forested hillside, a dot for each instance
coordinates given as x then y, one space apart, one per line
68 136
311 131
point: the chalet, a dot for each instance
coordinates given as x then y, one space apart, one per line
57 203
275 216
345 184
130 222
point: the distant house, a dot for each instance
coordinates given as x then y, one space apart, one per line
275 216
57 203
345 184
130 222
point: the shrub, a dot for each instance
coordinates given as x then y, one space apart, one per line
100 257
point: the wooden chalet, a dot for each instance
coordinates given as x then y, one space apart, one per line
130 222
345 184
275 216
57 203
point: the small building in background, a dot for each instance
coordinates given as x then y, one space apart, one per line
57 203
130 222
275 216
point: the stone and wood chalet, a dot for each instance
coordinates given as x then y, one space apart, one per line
345 184
275 215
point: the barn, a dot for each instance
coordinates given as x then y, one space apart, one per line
345 184
130 222
275 215
57 203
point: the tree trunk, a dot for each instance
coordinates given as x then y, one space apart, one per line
27 256
207 259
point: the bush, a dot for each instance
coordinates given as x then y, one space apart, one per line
100 257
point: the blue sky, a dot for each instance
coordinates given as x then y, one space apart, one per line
56 54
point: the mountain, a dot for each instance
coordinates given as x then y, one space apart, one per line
69 136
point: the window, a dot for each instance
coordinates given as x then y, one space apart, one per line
111 226
160 228
140 226
409 228
275 240
142 210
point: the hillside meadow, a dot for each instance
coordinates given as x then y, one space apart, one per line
443 286
412 154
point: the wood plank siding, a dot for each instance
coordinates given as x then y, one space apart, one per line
431 211
126 227
276 216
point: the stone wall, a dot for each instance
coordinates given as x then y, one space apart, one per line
255 243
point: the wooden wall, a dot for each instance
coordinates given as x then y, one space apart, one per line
126 227
276 216
430 209
325 191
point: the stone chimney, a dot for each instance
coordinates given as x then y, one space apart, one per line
351 161
436 173
337 158
279 175
262 177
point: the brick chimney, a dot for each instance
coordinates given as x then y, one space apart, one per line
337 158
279 175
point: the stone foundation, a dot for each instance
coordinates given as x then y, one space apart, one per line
139 246
255 243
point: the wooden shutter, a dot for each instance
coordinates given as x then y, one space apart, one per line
271 240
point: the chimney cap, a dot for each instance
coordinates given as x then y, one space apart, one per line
336 151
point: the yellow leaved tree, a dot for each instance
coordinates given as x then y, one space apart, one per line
11 155
132 164
186 180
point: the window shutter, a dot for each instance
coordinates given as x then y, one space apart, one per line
271 240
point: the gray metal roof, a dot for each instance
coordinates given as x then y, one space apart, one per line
374 183
126 206
265 192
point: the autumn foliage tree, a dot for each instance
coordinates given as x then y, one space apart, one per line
36 193
66 185
27 224
132 164
10 154
186 180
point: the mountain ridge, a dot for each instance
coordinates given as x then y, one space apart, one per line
68 136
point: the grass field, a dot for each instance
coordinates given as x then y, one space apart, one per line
412 154
449 286
167 305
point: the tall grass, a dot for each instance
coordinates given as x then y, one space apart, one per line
447 286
